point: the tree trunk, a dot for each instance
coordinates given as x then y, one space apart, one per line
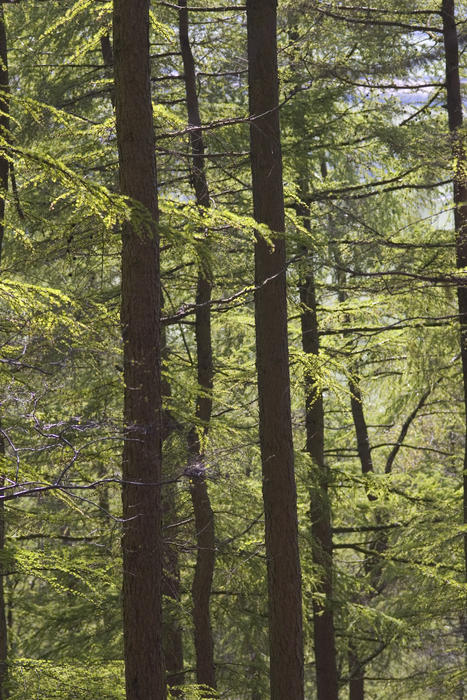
356 677
320 509
454 105
204 516
279 491
371 564
140 312
172 631
4 169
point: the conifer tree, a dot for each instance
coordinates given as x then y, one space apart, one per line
140 318
279 490
204 516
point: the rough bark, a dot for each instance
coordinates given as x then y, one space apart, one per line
279 491
4 169
204 516
140 312
320 509
454 106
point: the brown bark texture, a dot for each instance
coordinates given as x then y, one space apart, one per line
204 516
279 491
454 105
140 312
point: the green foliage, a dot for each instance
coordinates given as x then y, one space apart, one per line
366 164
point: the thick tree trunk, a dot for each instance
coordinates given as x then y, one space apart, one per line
454 105
4 169
140 312
204 516
279 491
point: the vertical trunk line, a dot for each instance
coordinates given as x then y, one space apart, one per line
140 320
108 57
320 508
204 516
371 563
171 589
356 676
279 491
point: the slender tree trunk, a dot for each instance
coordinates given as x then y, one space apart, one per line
320 509
356 669
371 566
204 516
4 169
172 631
108 56
372 562
279 491
361 429
357 678
454 105
140 312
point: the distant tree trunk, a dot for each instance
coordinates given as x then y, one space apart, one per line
372 564
279 491
140 312
320 509
361 429
172 631
204 516
454 105
356 668
4 168
356 677
108 57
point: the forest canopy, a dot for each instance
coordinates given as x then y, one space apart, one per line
233 349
